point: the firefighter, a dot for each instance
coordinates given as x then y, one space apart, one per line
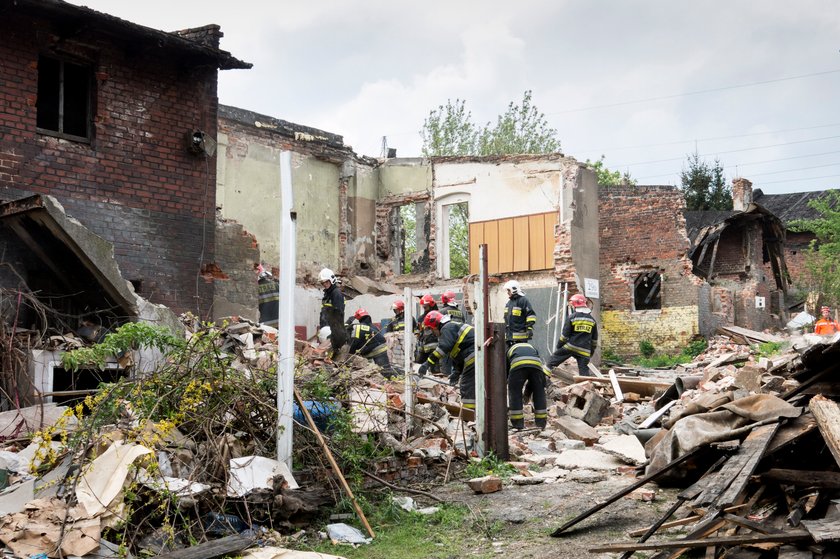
426 339
458 342
525 365
332 310
268 293
825 326
579 337
448 305
398 323
368 342
520 317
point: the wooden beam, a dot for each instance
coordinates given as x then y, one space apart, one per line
803 478
784 537
209 550
714 257
827 414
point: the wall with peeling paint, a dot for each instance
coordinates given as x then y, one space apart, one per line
404 175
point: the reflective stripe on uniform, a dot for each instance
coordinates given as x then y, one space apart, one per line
378 350
527 361
456 349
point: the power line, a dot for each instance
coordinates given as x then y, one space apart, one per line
676 142
800 180
755 163
730 151
699 92
792 170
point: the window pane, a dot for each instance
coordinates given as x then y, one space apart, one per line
48 85
76 96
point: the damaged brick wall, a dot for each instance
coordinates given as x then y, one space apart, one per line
642 230
387 242
134 183
796 247
238 255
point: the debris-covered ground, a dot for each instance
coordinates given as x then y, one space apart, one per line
744 441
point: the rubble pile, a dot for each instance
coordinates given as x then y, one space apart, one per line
732 429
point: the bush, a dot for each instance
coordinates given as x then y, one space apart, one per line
646 348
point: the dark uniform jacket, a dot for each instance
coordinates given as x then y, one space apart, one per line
398 324
426 339
268 290
366 340
455 313
580 334
457 341
520 319
522 356
332 307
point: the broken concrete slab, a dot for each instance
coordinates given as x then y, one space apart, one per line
577 429
569 444
527 480
589 459
587 476
25 421
626 448
551 475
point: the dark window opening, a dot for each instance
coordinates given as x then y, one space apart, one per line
647 292
71 387
137 285
64 98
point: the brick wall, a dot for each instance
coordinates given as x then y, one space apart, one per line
237 254
643 230
135 183
796 246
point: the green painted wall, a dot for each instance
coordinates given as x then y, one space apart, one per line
404 177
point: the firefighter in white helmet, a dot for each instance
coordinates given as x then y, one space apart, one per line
332 310
520 317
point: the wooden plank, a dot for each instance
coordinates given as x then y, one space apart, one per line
536 242
680 522
505 245
210 550
784 537
476 238
803 478
709 524
752 334
628 384
792 431
491 238
651 419
521 249
658 524
823 530
619 395
550 241
747 523
827 415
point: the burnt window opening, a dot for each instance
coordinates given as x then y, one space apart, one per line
409 250
647 291
64 99
71 387
137 285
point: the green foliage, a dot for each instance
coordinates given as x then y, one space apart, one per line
489 465
132 335
609 354
408 216
658 360
609 178
695 348
822 260
459 240
646 348
768 349
522 128
704 185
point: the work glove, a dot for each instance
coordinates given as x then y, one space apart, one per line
422 370
530 333
453 381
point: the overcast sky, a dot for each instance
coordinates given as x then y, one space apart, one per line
754 84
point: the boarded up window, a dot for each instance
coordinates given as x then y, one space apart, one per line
515 244
647 291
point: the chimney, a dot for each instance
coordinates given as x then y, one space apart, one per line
207 35
741 194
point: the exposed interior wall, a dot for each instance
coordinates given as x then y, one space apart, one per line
643 230
237 255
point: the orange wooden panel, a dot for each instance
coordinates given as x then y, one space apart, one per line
550 222
521 256
476 238
536 242
506 245
491 238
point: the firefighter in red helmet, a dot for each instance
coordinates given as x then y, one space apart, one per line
579 337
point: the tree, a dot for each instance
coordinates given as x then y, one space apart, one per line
522 128
704 186
459 240
449 130
822 260
607 177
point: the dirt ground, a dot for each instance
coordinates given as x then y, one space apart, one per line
522 517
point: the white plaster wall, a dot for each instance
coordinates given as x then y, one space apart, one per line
500 190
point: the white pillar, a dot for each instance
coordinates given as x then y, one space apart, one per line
286 323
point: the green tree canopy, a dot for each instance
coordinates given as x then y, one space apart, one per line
822 260
607 177
704 185
522 128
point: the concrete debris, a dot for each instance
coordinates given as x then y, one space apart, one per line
485 484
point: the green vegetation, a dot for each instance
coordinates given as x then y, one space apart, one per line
522 128
607 177
767 349
654 360
822 259
704 185
489 465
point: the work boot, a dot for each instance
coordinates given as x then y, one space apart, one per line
517 424
540 422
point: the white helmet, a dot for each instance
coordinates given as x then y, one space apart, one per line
327 275
514 288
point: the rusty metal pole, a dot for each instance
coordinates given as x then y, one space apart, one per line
497 434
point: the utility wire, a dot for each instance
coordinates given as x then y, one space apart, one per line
754 163
699 92
800 180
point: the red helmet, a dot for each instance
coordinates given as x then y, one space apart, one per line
360 313
577 300
398 306
434 319
427 300
447 297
